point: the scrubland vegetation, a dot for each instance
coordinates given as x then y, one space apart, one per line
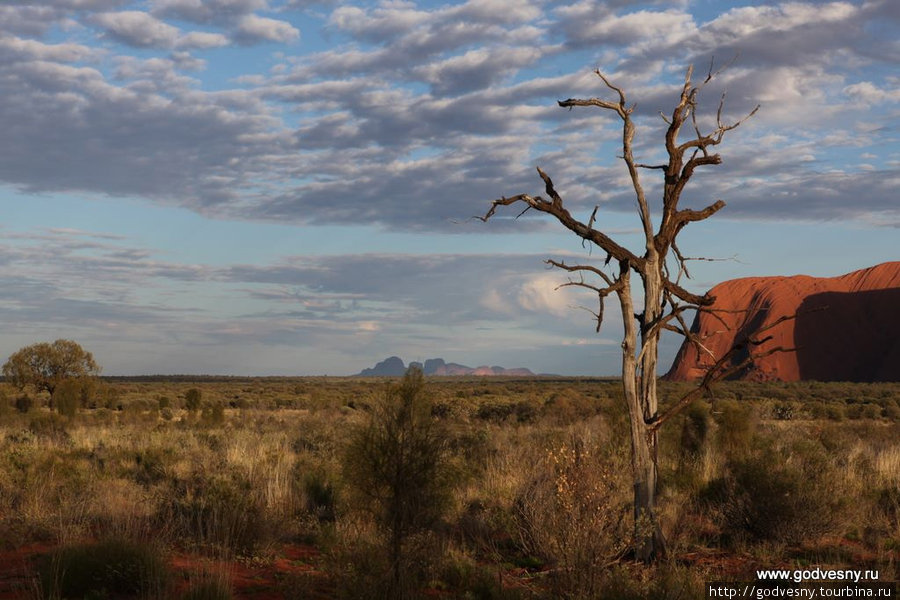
306 488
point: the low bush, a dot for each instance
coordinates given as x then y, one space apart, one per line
780 494
24 403
319 496
67 397
573 514
192 399
110 568
737 422
49 426
694 430
217 513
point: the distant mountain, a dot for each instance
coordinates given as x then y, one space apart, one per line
389 367
394 367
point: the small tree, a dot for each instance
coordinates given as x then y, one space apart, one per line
397 465
659 265
46 365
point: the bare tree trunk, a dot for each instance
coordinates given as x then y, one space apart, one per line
640 396
651 544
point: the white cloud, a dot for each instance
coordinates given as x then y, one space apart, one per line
253 28
201 39
867 92
207 11
476 69
498 11
143 30
540 294
138 29
748 20
636 29
388 20
14 49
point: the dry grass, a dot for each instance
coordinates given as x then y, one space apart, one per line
541 505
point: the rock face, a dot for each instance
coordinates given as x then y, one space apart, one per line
847 328
393 367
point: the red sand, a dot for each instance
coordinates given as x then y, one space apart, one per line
263 581
847 328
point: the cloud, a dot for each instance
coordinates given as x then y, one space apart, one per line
142 30
868 93
207 11
238 17
201 39
414 116
594 24
476 69
252 29
541 294
137 29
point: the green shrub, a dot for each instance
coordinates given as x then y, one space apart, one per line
495 412
24 403
151 464
110 568
217 414
784 411
890 411
781 494
49 425
736 421
192 399
695 429
217 512
526 411
67 397
320 496
397 467
835 411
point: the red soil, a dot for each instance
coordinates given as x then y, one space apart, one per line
270 579
846 328
263 580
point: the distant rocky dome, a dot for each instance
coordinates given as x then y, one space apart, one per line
847 328
394 367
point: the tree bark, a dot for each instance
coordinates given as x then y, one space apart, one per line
639 385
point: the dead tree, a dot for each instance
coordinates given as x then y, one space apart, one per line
665 302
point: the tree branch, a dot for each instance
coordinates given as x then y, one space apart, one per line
556 209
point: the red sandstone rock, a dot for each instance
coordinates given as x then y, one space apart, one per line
847 328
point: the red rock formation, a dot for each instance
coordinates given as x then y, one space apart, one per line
847 328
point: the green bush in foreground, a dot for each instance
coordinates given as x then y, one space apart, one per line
108 568
397 467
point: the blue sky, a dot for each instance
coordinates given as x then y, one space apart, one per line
285 187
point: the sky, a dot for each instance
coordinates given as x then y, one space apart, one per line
286 187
